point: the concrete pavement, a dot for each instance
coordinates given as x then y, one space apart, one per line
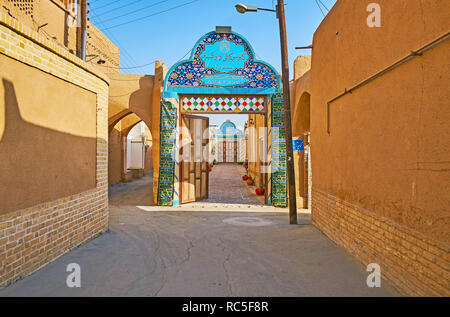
196 251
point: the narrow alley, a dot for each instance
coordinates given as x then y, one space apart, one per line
222 149
207 252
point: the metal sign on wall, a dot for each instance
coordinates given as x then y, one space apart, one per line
297 145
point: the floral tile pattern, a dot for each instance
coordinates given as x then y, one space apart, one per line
223 104
196 73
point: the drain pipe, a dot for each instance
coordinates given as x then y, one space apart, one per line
441 39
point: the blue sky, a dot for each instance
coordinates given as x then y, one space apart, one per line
170 35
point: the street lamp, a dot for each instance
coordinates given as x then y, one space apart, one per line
243 8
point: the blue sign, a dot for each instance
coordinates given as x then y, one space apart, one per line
297 145
224 56
224 63
224 80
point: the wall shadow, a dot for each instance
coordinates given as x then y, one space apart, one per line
38 164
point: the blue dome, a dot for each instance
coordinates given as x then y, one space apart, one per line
228 130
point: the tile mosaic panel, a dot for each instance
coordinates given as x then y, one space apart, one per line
167 151
223 104
279 175
223 60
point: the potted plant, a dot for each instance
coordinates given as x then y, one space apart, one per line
210 167
245 177
250 181
260 190
214 162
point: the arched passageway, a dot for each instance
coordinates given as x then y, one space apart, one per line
130 149
302 154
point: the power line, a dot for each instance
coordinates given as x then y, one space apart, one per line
125 52
134 79
115 9
132 67
184 55
319 7
106 5
150 15
126 55
125 14
328 10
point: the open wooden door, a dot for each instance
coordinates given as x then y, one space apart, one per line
194 153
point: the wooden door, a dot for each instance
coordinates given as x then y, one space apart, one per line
194 155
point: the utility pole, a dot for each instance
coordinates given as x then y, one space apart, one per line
81 34
287 114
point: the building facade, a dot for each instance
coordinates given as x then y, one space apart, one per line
52 200
379 138
229 144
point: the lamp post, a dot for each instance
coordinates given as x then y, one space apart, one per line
243 8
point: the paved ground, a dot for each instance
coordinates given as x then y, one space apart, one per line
226 186
202 251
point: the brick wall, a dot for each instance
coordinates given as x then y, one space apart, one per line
416 265
98 44
33 237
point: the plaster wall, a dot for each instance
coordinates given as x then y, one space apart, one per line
33 236
389 140
37 117
300 90
115 165
130 102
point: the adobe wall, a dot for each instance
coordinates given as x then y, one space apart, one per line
130 102
55 151
382 177
300 90
51 15
115 163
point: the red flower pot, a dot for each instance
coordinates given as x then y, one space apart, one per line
249 182
259 191
244 178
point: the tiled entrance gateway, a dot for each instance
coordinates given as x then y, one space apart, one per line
222 76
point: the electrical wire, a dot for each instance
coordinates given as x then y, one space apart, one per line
126 55
115 9
319 7
106 5
328 10
150 15
134 11
139 66
187 53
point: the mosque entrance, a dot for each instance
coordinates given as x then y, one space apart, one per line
222 76
228 144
